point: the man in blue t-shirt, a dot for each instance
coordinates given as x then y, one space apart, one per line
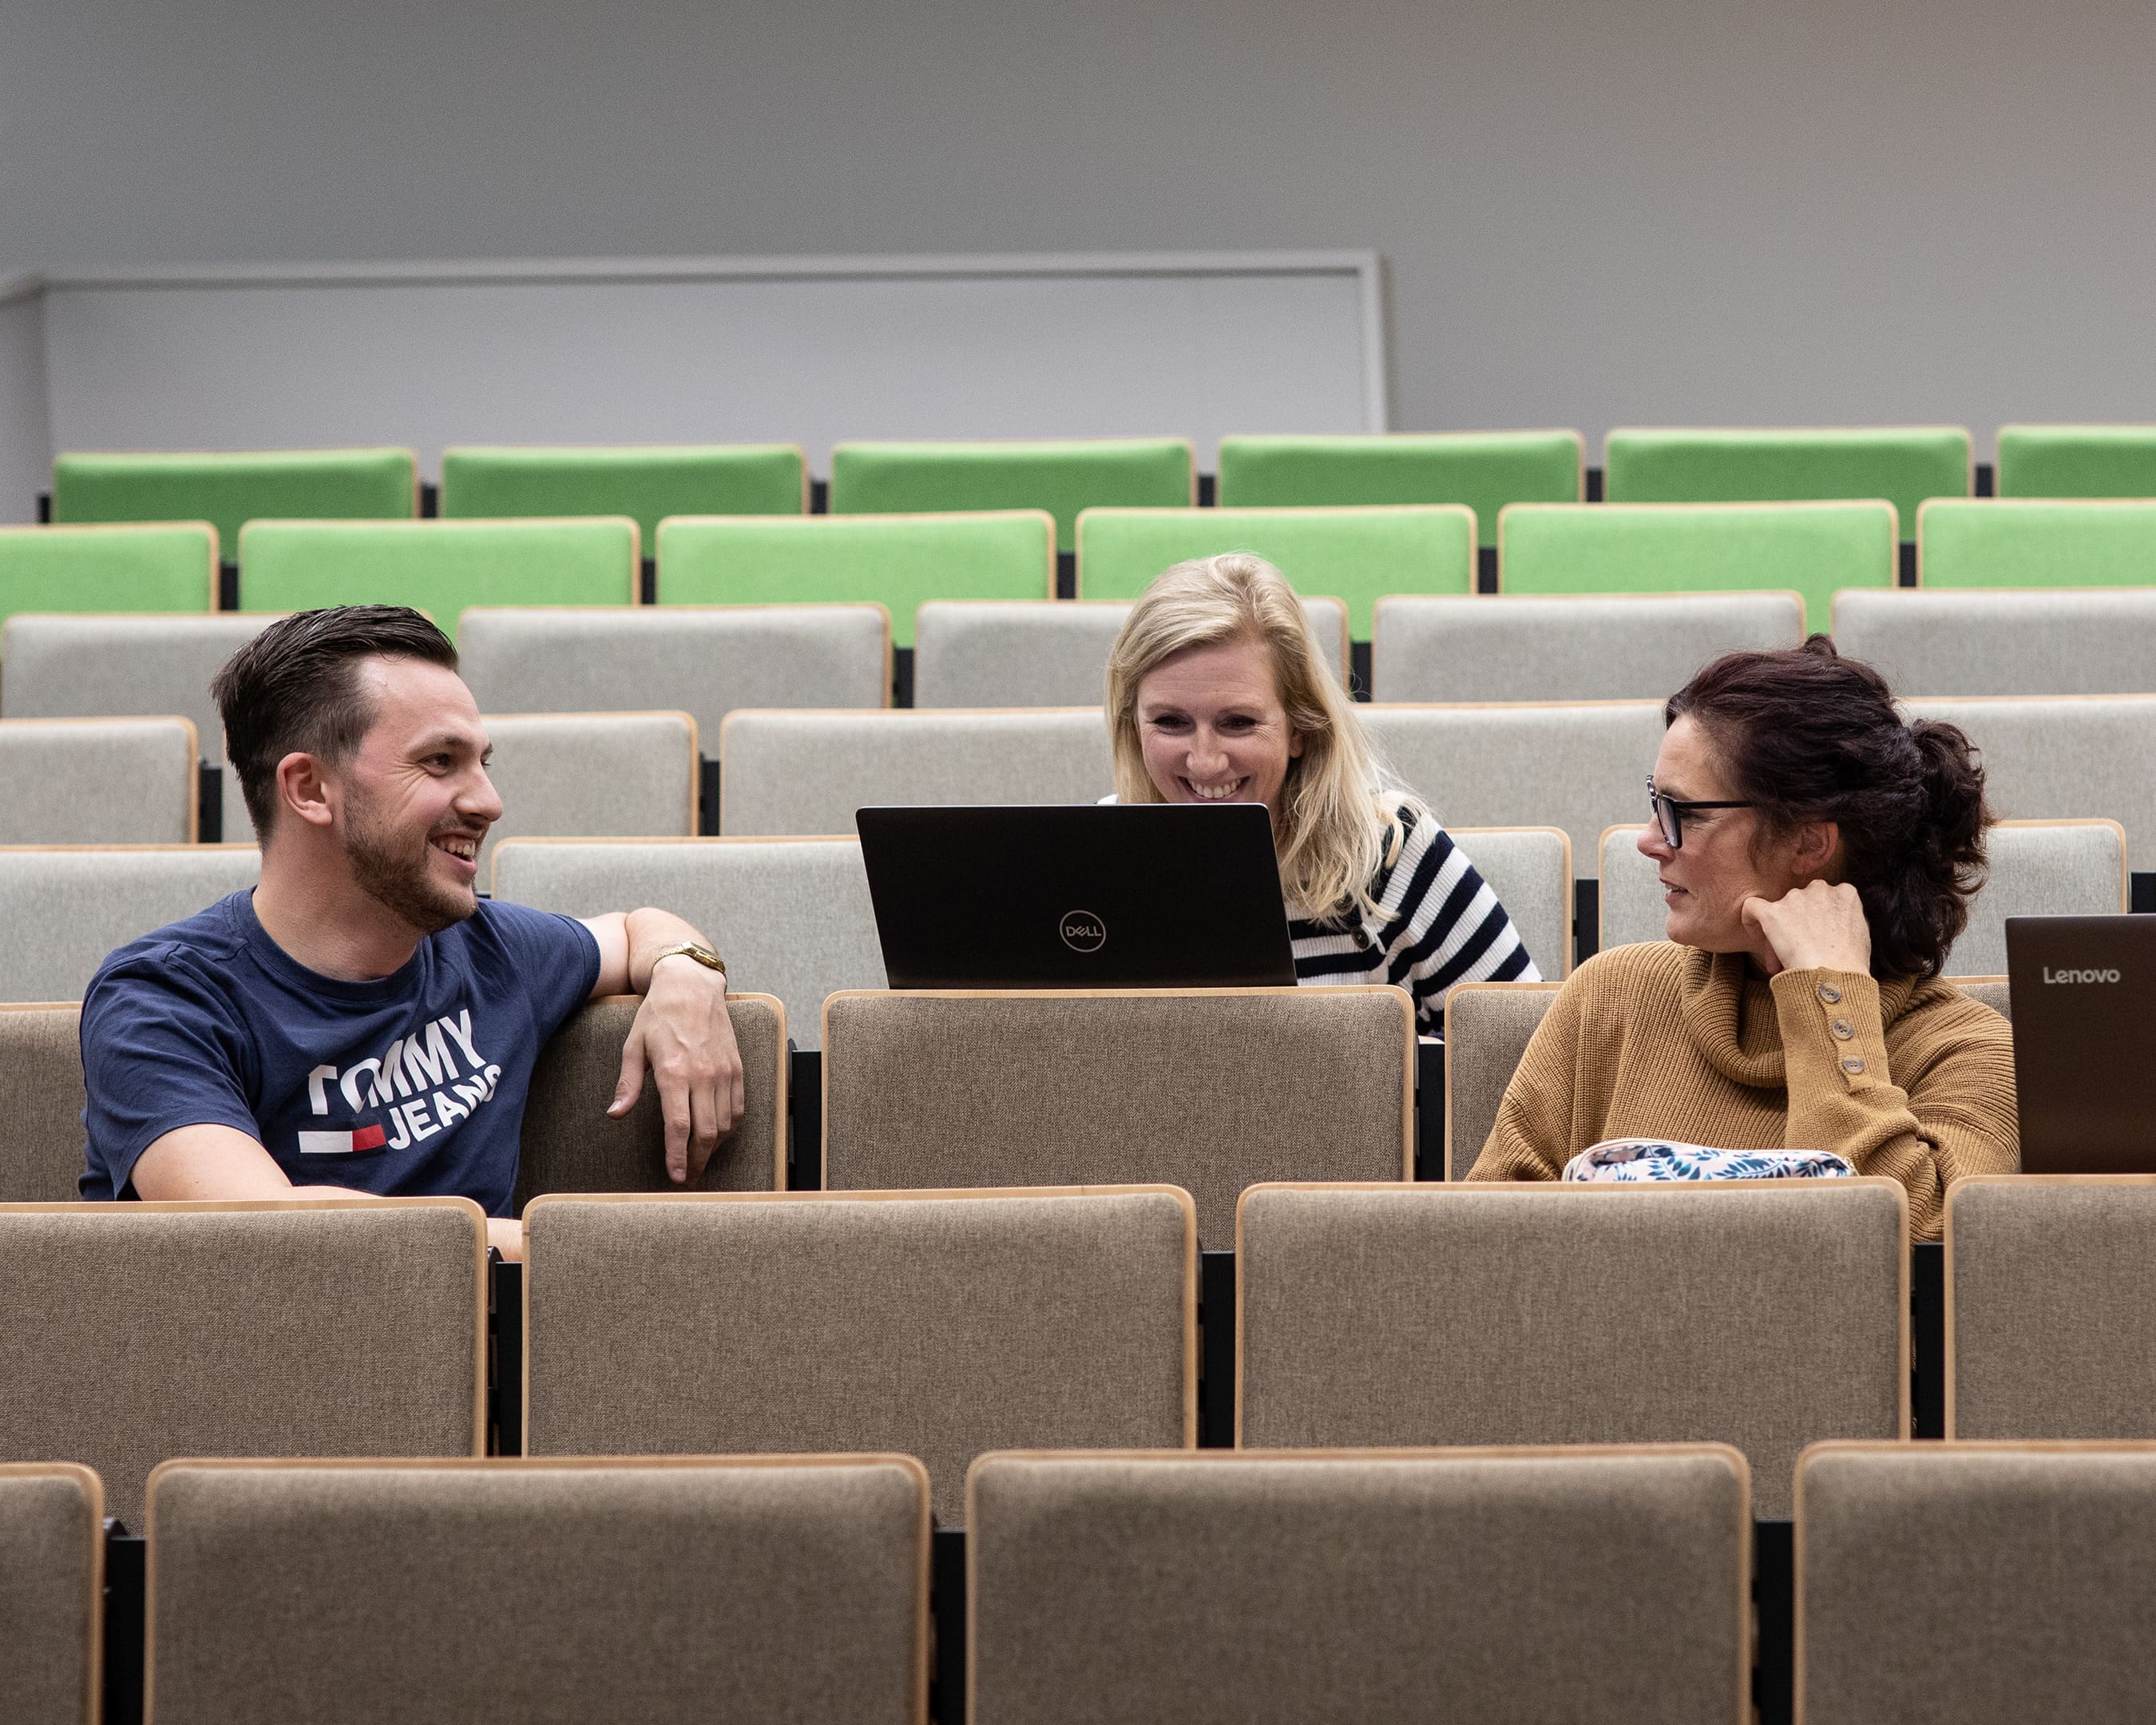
362 1022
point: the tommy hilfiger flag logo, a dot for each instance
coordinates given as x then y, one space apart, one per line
345 1143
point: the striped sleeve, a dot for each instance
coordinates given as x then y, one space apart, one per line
1441 924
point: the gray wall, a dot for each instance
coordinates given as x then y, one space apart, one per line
1812 212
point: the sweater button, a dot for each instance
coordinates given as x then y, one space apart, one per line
1843 1028
1830 993
1852 1064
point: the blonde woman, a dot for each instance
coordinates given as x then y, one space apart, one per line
1216 693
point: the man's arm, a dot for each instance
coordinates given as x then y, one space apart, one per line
212 1162
682 1032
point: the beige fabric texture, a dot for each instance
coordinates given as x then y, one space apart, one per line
568 1144
788 774
935 1326
1530 869
1983 1586
65 666
629 775
2065 760
49 1605
1209 1093
972 653
41 1099
792 918
1566 647
1764 1314
330 1330
704 659
67 910
2051 1306
2066 869
1487 1028
436 1596
2064 641
1225 1590
1582 767
97 781
1913 1081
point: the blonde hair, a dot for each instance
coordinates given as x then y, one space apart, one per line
1340 816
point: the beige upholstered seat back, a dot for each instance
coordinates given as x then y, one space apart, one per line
282 1327
1209 1089
1567 646
1581 766
1530 869
2036 641
2050 868
437 1593
704 660
792 917
79 665
568 1143
592 775
790 774
68 909
41 1102
935 1324
52 1603
1403 1584
1990 1584
1487 1028
1765 1314
2050 1306
97 782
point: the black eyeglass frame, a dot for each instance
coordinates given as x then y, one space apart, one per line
1672 822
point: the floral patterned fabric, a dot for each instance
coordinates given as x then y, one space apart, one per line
1650 1159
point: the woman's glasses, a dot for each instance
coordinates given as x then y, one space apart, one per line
1670 812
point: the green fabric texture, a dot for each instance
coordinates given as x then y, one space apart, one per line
440 567
2023 542
1483 470
1809 548
121 569
1356 555
228 491
1904 466
2078 461
646 485
896 561
1062 478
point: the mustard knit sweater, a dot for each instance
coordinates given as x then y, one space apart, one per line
1911 1080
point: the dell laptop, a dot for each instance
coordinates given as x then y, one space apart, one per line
2083 990
1154 895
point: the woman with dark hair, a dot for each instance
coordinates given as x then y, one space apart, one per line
1817 855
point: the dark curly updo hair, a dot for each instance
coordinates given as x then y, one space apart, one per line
1808 735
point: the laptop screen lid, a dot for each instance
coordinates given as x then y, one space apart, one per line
2083 990
1156 896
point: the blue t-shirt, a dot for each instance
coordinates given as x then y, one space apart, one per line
411 1086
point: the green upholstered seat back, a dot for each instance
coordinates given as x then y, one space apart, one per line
123 568
2077 460
1903 466
896 561
440 567
229 490
1808 548
1483 470
2023 542
1061 477
1357 555
646 485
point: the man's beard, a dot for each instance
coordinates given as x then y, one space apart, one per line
393 871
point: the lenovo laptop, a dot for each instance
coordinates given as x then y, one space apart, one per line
2083 990
1158 896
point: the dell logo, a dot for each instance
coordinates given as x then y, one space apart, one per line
1082 931
2079 976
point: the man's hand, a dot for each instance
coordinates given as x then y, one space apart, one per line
1819 926
683 1035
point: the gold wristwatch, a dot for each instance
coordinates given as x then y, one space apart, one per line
691 949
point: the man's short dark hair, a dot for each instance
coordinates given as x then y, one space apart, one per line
294 689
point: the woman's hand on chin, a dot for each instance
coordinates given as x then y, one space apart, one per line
1819 926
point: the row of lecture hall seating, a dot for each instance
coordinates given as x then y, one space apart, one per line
1986 1583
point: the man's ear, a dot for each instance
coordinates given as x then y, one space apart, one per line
1818 853
304 790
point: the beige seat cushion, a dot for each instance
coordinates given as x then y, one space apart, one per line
52 1606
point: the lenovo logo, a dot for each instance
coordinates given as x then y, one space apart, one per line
2079 976
1082 931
